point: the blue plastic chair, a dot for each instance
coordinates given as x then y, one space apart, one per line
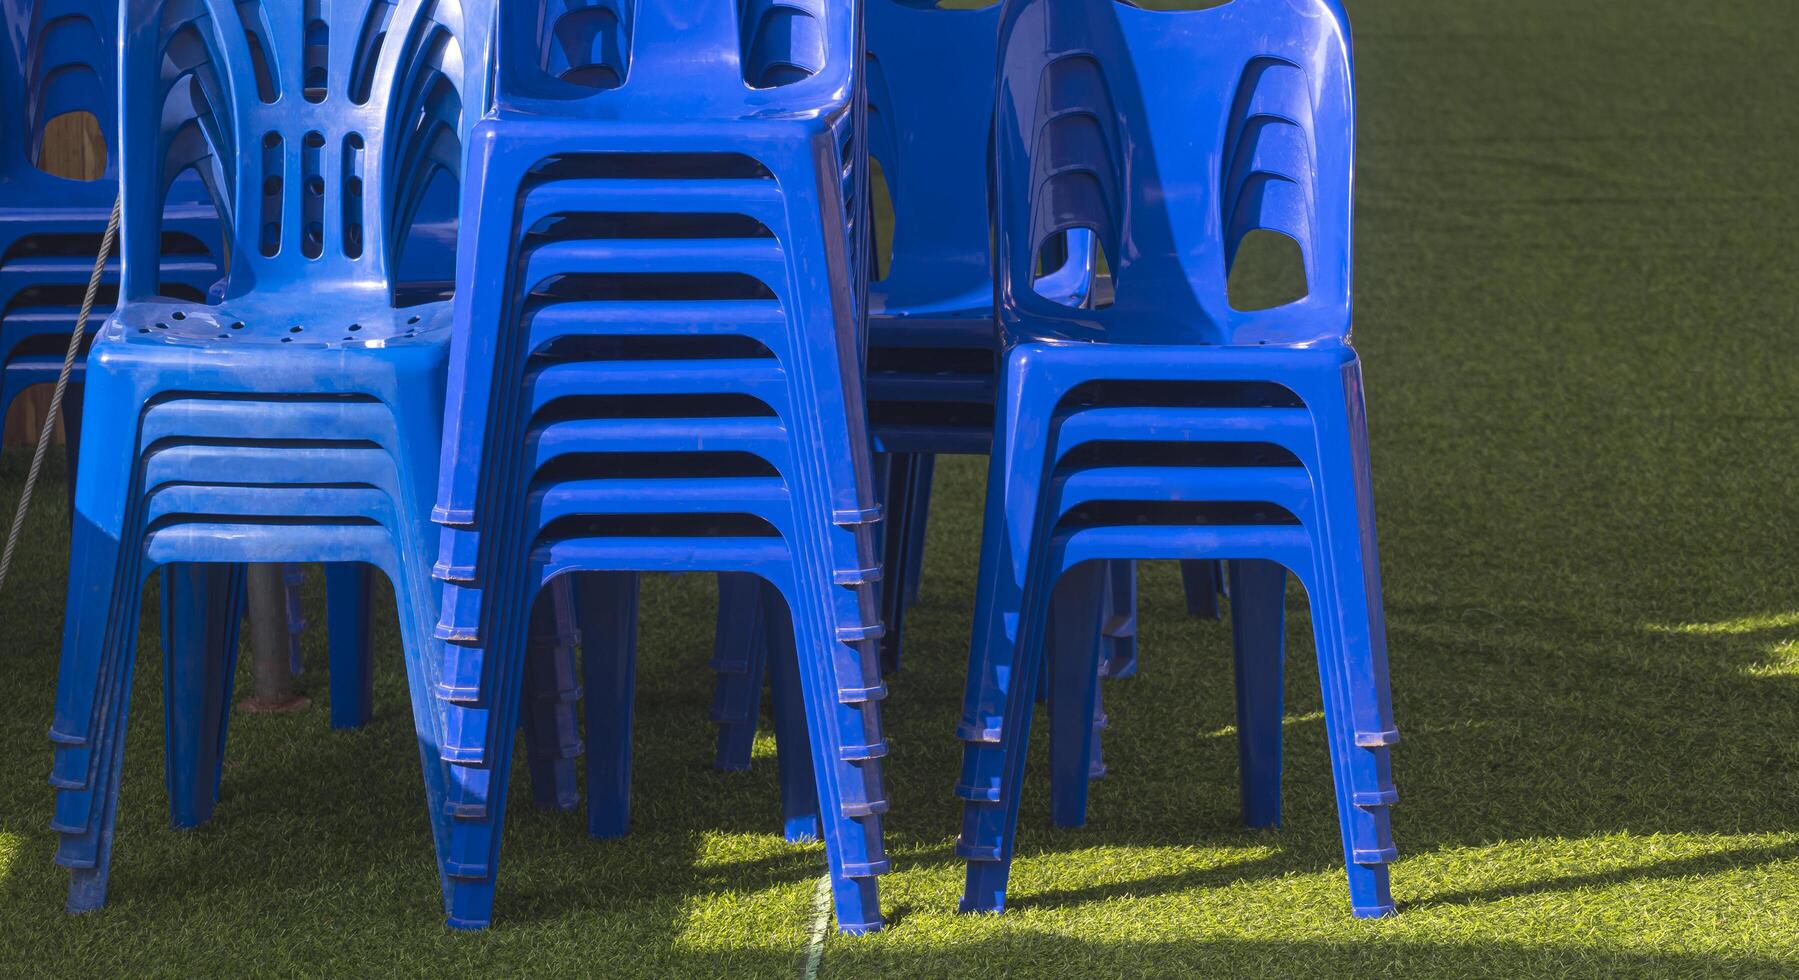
664 375
63 59
296 418
933 342
1169 424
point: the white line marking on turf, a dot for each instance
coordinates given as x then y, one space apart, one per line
821 920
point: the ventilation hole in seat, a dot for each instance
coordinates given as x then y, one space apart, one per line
579 407
650 166
659 526
1175 513
1269 272
654 466
73 147
1180 394
674 286
646 225
1208 455
655 348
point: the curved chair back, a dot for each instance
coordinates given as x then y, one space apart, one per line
691 59
316 125
1172 135
930 113
57 57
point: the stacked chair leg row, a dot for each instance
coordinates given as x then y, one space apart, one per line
515 303
664 379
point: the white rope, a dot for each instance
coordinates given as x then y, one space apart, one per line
62 385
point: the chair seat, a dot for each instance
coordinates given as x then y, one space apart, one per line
259 321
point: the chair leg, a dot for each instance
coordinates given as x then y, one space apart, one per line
1119 627
1258 631
739 660
898 550
917 522
466 803
552 694
846 771
1203 583
1351 637
1074 669
347 589
202 606
993 761
799 786
606 606
93 696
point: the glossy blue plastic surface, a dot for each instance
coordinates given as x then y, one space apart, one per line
60 57
293 418
1169 424
657 367
932 338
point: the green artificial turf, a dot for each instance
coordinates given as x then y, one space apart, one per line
1576 296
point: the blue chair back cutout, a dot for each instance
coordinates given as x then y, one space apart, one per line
713 59
1171 177
57 57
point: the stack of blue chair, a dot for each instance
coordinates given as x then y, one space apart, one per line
50 226
932 339
657 367
294 418
1168 424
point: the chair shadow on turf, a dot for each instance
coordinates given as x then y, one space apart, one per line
294 790
1520 725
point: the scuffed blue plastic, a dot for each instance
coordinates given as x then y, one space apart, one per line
294 414
657 367
1169 424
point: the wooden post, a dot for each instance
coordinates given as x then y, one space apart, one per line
272 674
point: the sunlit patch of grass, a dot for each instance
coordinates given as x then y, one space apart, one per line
1783 661
1740 626
1230 731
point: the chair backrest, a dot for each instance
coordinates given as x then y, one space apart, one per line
318 126
677 59
57 57
930 113
1173 135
